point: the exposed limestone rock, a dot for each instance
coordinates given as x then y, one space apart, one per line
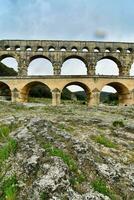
43 172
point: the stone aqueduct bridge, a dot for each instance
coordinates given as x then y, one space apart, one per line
57 52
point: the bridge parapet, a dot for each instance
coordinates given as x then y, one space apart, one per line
57 45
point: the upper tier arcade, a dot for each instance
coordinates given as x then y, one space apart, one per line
57 52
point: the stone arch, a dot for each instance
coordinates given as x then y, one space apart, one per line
74 65
11 55
74 49
5 91
51 48
28 48
7 47
40 48
82 85
26 89
123 93
63 48
40 65
108 50
85 49
11 61
113 62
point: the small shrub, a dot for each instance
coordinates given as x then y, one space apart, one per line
9 188
100 186
101 139
118 123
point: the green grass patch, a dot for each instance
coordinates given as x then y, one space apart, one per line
4 132
9 148
53 151
118 123
77 177
40 100
18 106
100 186
9 189
44 196
102 139
66 127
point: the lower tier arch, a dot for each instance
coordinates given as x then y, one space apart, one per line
35 89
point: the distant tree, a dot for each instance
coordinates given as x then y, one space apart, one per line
7 71
40 90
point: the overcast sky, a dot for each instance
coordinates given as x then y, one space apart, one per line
67 19
105 20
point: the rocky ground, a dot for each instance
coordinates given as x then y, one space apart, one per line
69 152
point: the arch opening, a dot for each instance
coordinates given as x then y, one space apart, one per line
132 70
107 66
85 49
36 92
129 50
75 92
63 49
119 50
39 48
8 66
7 48
17 48
114 93
73 66
108 50
28 48
51 48
40 66
5 92
96 50
74 49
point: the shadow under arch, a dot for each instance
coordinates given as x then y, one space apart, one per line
40 65
38 91
5 91
83 86
123 93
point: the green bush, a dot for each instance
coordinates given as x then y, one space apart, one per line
100 186
101 139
